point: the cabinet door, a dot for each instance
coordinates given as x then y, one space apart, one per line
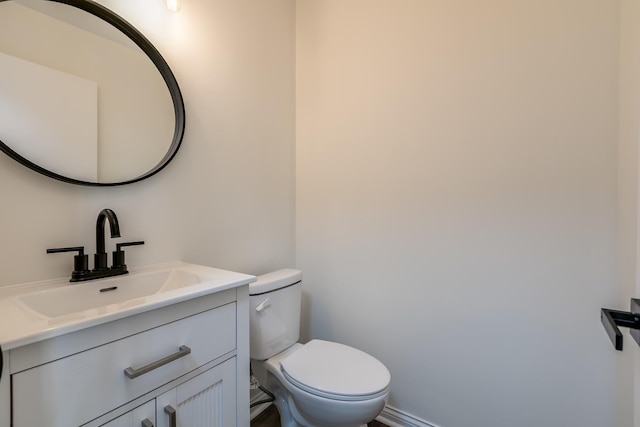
142 416
208 400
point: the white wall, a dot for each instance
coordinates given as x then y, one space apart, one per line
456 200
629 135
227 200
456 188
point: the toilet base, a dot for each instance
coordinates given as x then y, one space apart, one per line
286 417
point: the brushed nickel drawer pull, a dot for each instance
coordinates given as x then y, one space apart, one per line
134 373
147 423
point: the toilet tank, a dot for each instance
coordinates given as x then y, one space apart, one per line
275 300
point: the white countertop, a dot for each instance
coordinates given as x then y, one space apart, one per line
20 325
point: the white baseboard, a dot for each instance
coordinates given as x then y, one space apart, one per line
395 418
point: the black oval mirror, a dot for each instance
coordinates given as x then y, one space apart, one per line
102 109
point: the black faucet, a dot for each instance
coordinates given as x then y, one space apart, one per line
100 257
81 270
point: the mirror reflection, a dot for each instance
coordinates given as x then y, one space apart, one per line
78 97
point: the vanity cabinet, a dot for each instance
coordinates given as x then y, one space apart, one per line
188 357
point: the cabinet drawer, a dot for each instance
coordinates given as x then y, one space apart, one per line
76 389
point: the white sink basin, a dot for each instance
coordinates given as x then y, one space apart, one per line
31 312
120 290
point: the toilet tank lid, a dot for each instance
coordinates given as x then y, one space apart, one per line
274 281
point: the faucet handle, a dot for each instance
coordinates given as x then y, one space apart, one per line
80 261
120 245
118 254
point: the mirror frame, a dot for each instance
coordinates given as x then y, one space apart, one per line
152 53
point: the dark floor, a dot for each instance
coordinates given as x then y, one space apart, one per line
271 418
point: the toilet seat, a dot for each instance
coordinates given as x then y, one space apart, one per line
336 371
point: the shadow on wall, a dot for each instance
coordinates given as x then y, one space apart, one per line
305 318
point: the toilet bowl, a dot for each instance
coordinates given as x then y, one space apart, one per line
319 389
320 383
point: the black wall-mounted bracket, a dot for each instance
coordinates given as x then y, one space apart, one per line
612 319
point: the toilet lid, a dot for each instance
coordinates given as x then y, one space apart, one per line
336 371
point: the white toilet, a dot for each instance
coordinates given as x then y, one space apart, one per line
320 383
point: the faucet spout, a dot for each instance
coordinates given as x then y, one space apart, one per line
100 259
